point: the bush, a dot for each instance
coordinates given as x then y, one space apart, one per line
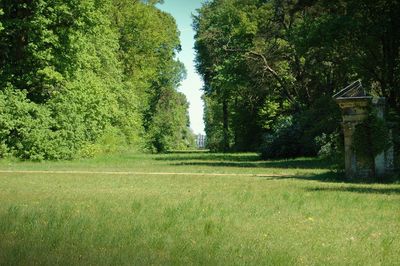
25 128
371 137
331 149
78 121
283 142
310 131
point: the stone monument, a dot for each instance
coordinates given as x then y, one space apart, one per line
355 103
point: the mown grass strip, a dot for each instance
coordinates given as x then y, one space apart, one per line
136 173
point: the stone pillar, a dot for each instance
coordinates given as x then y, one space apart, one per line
354 111
350 158
380 160
355 105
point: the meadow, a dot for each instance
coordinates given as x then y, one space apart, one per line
193 209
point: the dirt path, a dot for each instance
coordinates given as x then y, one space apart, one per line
135 173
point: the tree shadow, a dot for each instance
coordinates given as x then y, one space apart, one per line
284 164
205 156
243 160
353 189
187 152
339 177
328 177
336 182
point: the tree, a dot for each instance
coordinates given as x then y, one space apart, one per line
169 129
268 61
149 41
77 76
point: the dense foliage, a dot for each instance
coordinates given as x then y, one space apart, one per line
81 76
371 137
271 67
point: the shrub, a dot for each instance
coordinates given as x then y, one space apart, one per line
283 142
25 128
331 149
371 137
77 121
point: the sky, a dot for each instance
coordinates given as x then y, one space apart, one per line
182 11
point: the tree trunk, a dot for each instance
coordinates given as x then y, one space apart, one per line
225 121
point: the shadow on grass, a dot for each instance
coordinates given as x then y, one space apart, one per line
251 160
339 177
243 160
206 156
187 151
331 177
286 164
364 190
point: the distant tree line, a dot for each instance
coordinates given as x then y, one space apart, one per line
270 68
79 77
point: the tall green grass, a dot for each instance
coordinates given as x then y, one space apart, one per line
308 219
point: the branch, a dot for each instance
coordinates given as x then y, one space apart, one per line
267 68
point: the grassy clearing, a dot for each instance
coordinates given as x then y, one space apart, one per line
100 219
179 162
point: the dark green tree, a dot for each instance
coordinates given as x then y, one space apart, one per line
269 61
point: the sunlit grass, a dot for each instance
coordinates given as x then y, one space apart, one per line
245 163
180 219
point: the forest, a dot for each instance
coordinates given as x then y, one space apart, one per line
271 67
82 77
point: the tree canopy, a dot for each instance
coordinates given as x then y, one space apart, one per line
84 75
271 67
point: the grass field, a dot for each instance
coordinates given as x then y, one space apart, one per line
306 216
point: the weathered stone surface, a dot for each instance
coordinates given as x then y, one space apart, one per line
355 103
